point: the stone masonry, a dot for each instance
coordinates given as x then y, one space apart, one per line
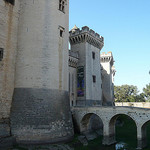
109 115
88 44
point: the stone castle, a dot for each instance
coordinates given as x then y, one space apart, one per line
40 80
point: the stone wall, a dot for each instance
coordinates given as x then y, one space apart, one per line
73 61
9 15
134 104
109 115
40 111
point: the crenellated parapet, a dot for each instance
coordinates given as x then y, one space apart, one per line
86 35
73 59
107 57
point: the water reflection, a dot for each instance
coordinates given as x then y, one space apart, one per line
120 146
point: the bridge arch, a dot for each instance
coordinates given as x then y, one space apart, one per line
90 121
112 122
111 136
142 139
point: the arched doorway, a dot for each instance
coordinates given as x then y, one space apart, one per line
123 128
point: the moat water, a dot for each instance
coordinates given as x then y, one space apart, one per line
118 146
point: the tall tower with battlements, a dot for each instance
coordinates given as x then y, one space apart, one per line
89 85
108 72
40 110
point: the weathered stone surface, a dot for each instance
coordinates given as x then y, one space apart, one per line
108 115
9 15
41 116
5 143
4 130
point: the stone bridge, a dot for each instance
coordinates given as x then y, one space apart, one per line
108 116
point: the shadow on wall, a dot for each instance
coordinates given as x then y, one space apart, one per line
107 89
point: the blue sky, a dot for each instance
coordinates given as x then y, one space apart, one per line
125 26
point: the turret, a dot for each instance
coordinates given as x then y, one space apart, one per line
40 108
108 72
88 45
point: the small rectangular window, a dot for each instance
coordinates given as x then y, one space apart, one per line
61 31
94 79
62 5
1 53
93 55
10 1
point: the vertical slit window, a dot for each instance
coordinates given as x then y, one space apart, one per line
1 53
93 55
94 79
61 33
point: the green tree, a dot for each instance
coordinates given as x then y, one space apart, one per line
146 92
127 93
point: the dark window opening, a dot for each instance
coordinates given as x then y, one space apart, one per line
10 1
62 5
93 55
61 33
1 53
94 79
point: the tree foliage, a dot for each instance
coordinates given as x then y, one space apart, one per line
146 92
128 93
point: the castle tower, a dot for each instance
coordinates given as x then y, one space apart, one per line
108 72
88 44
40 110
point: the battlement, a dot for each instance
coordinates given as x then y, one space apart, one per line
73 58
86 35
107 57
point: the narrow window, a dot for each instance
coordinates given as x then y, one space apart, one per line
62 5
1 53
10 1
69 82
61 33
94 79
93 55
